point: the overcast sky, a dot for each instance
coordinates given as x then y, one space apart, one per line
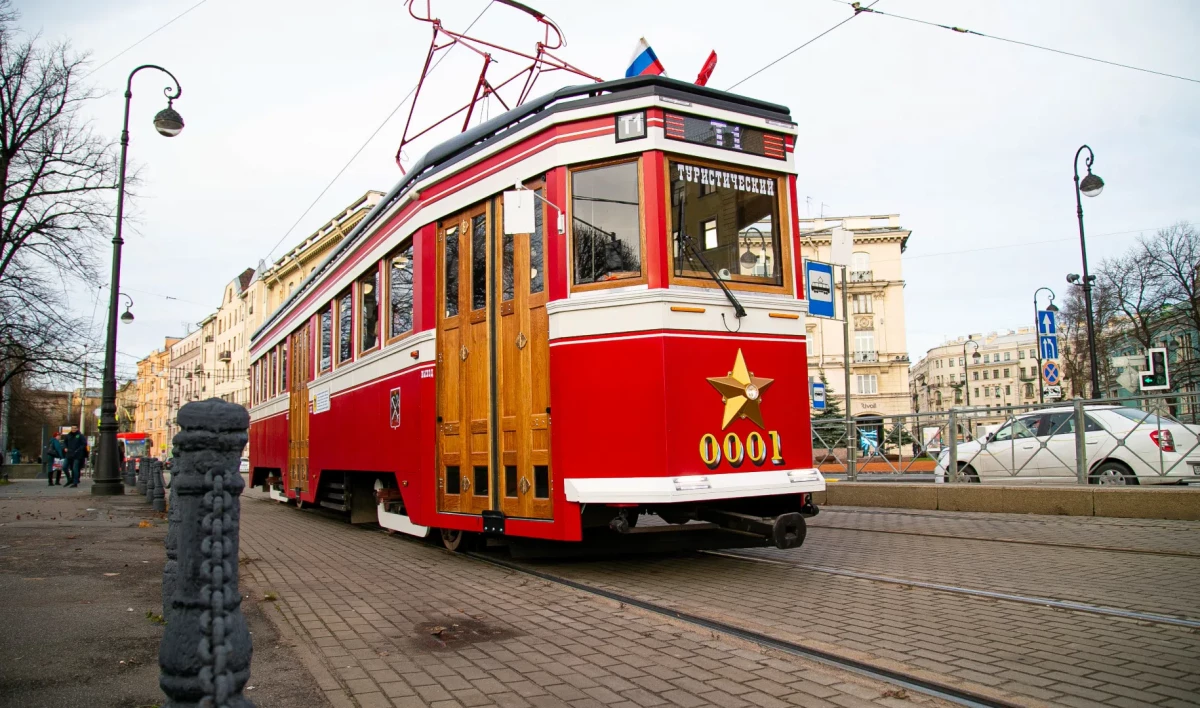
969 139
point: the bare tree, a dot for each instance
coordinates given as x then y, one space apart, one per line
1074 341
1173 256
56 177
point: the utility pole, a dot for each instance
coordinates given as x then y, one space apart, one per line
83 403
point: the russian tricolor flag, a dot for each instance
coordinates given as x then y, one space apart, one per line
644 61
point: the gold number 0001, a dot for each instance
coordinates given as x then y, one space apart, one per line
755 449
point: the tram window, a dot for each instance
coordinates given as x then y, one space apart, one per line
506 268
451 265
479 262
345 329
368 312
606 223
273 371
283 366
481 482
537 264
541 481
453 480
400 291
326 338
737 229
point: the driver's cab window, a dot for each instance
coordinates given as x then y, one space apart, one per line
1016 430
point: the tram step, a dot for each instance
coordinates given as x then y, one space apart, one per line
334 505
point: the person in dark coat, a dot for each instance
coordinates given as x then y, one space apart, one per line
55 452
77 452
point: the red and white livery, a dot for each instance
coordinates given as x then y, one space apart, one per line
583 310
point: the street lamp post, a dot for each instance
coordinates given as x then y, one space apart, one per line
974 357
1091 186
169 123
1037 339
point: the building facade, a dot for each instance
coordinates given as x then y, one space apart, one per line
231 381
879 353
1005 373
153 397
185 378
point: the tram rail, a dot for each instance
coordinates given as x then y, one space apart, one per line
1070 605
959 695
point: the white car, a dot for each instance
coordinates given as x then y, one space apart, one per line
1124 446
244 467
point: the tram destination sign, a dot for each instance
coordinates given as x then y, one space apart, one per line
725 135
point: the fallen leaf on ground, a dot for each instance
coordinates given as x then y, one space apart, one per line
436 631
144 524
110 575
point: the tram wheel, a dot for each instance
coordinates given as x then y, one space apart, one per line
457 541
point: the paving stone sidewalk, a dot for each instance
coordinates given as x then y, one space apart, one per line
400 622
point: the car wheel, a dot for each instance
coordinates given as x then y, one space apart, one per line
1113 473
968 474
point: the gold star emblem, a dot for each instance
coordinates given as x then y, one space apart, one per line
741 392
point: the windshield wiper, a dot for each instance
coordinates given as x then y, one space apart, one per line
690 245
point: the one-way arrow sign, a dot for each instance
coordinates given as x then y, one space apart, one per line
1046 322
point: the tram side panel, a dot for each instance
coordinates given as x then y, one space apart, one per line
268 446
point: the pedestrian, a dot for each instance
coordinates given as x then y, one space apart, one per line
77 452
55 452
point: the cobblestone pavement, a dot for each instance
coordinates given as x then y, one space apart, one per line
1063 657
400 622
1154 535
1145 582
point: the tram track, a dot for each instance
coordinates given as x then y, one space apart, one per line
1052 603
1021 541
946 691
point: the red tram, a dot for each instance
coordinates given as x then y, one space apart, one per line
638 347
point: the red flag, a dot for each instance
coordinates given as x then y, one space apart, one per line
706 71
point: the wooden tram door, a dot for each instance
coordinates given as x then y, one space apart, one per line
299 374
464 385
523 371
492 380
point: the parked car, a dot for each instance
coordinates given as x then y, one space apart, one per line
1124 446
244 467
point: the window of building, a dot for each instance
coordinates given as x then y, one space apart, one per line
863 305
995 373
400 291
864 342
368 311
737 230
606 223
1007 356
1029 390
1032 353
985 374
860 262
345 313
977 392
975 375
1007 390
326 334
867 383
1006 373
958 395
987 358
952 378
961 361
1020 353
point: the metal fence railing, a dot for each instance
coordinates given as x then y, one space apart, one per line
1142 440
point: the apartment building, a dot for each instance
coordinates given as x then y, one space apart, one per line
230 377
879 352
153 407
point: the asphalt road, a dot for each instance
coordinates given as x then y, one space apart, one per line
78 577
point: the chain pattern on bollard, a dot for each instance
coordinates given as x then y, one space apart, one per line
206 648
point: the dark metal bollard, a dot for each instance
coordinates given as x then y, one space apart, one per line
158 500
204 658
130 473
171 569
140 482
148 473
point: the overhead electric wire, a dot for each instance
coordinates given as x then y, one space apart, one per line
143 39
369 139
858 9
802 46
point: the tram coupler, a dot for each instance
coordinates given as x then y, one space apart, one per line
808 509
625 519
783 531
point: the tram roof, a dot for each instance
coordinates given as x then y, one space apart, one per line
462 146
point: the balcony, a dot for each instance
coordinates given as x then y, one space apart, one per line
862 276
866 357
208 338
224 356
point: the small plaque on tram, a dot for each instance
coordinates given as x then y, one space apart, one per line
725 135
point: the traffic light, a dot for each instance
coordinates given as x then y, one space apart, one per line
1157 378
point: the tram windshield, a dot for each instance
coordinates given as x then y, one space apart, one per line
734 218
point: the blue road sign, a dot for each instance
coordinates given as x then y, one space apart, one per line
1048 345
818 286
1050 373
1046 322
818 396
